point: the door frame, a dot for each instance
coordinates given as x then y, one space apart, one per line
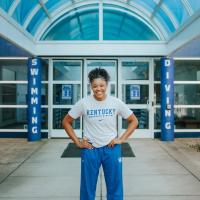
139 133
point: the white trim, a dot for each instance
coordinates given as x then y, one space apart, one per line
186 130
186 58
170 15
13 106
56 14
13 130
67 82
184 35
15 33
186 82
13 82
13 7
13 58
50 99
31 15
188 7
131 6
95 48
186 106
42 4
179 130
101 20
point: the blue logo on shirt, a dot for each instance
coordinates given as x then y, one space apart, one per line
101 112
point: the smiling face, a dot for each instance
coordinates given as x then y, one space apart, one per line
99 87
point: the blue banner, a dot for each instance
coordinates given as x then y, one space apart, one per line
34 99
167 99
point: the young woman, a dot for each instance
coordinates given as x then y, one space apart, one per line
100 145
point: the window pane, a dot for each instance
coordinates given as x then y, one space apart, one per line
109 66
129 96
66 94
187 94
157 93
121 25
5 4
13 118
157 68
44 118
187 118
58 115
23 10
142 116
135 70
13 94
187 70
45 66
76 25
16 94
157 118
67 70
11 70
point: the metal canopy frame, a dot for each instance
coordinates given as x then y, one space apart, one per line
31 41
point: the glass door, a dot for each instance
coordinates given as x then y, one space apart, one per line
66 87
136 90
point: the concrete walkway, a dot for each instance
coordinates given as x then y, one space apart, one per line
37 172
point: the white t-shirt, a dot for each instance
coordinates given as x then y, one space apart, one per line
100 118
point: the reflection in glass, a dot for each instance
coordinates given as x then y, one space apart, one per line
44 118
184 70
157 118
187 118
66 94
132 96
142 116
16 118
184 94
187 70
16 94
157 68
157 93
13 118
187 94
11 70
132 70
67 70
58 115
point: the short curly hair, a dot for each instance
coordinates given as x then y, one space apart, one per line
98 73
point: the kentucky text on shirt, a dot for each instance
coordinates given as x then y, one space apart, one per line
101 112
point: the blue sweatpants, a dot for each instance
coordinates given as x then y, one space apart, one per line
110 159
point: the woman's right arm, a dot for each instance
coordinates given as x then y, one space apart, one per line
67 125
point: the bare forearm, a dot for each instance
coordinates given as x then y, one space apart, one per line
70 132
130 129
132 125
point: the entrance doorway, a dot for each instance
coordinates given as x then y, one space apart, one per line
131 80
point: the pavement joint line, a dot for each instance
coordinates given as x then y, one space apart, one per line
172 153
21 163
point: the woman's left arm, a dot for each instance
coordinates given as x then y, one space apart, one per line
132 125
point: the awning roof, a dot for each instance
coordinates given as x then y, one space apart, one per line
164 18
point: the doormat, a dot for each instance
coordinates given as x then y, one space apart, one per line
72 151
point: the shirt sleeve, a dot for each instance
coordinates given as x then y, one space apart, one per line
123 109
77 110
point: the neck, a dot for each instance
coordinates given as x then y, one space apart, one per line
100 99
